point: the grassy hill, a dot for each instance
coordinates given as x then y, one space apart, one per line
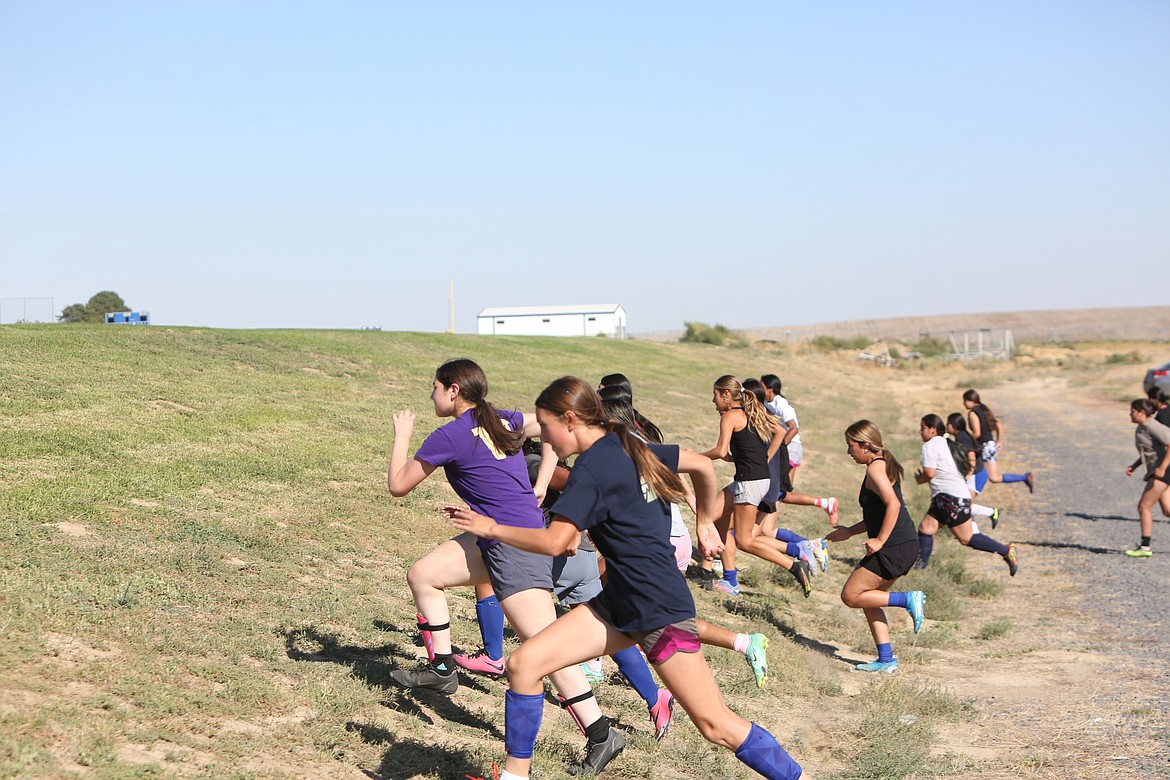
204 575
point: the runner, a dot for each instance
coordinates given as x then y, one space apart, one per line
614 492
890 546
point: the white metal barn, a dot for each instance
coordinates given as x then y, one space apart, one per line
592 319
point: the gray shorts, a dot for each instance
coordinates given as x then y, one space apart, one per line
751 492
576 579
511 570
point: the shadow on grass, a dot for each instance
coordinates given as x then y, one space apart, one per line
405 758
1073 546
766 613
374 664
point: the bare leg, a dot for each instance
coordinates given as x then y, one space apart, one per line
453 563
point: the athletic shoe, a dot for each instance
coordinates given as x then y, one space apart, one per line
832 510
662 713
757 658
426 678
706 579
807 555
1012 561
994 518
723 586
1030 481
593 676
481 663
820 550
916 606
889 667
803 574
598 754
1140 552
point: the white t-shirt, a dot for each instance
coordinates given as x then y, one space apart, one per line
779 404
936 454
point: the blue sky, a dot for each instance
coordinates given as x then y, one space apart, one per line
321 165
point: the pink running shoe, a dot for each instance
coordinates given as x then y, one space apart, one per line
662 713
832 510
480 663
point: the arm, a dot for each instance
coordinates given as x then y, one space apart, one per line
841 532
560 537
792 429
404 474
722 447
778 437
702 473
997 434
974 426
924 475
548 467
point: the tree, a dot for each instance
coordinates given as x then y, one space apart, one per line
95 310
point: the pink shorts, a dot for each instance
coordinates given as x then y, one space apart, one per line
682 551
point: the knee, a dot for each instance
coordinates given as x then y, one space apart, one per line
716 730
419 576
849 599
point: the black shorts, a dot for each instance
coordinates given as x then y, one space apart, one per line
890 563
950 510
1164 478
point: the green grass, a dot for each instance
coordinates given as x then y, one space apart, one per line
204 575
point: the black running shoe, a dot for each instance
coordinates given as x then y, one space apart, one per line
803 575
598 754
1030 481
427 678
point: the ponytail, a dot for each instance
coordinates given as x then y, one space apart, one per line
571 394
473 388
869 437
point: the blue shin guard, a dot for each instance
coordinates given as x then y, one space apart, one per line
522 714
633 667
763 753
491 626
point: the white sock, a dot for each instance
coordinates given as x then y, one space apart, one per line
506 775
978 510
742 643
822 503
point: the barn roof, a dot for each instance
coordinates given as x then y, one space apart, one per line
532 311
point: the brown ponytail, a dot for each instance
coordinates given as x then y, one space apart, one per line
869 437
473 388
572 394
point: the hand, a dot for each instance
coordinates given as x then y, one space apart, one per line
404 424
1160 472
873 545
710 544
1129 471
838 534
540 493
466 519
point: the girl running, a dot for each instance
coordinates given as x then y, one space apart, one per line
576 580
614 491
976 473
890 549
749 437
480 454
987 430
1152 440
753 647
950 499
787 414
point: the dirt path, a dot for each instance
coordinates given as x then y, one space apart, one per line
1082 687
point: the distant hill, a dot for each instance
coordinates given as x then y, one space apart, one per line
1144 323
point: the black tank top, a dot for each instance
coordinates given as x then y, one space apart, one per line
985 432
873 512
750 455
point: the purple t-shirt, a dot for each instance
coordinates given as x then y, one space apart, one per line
491 483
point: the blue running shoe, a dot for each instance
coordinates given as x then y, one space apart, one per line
757 658
723 586
889 667
916 606
807 555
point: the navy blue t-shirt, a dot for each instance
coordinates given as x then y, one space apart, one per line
631 528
